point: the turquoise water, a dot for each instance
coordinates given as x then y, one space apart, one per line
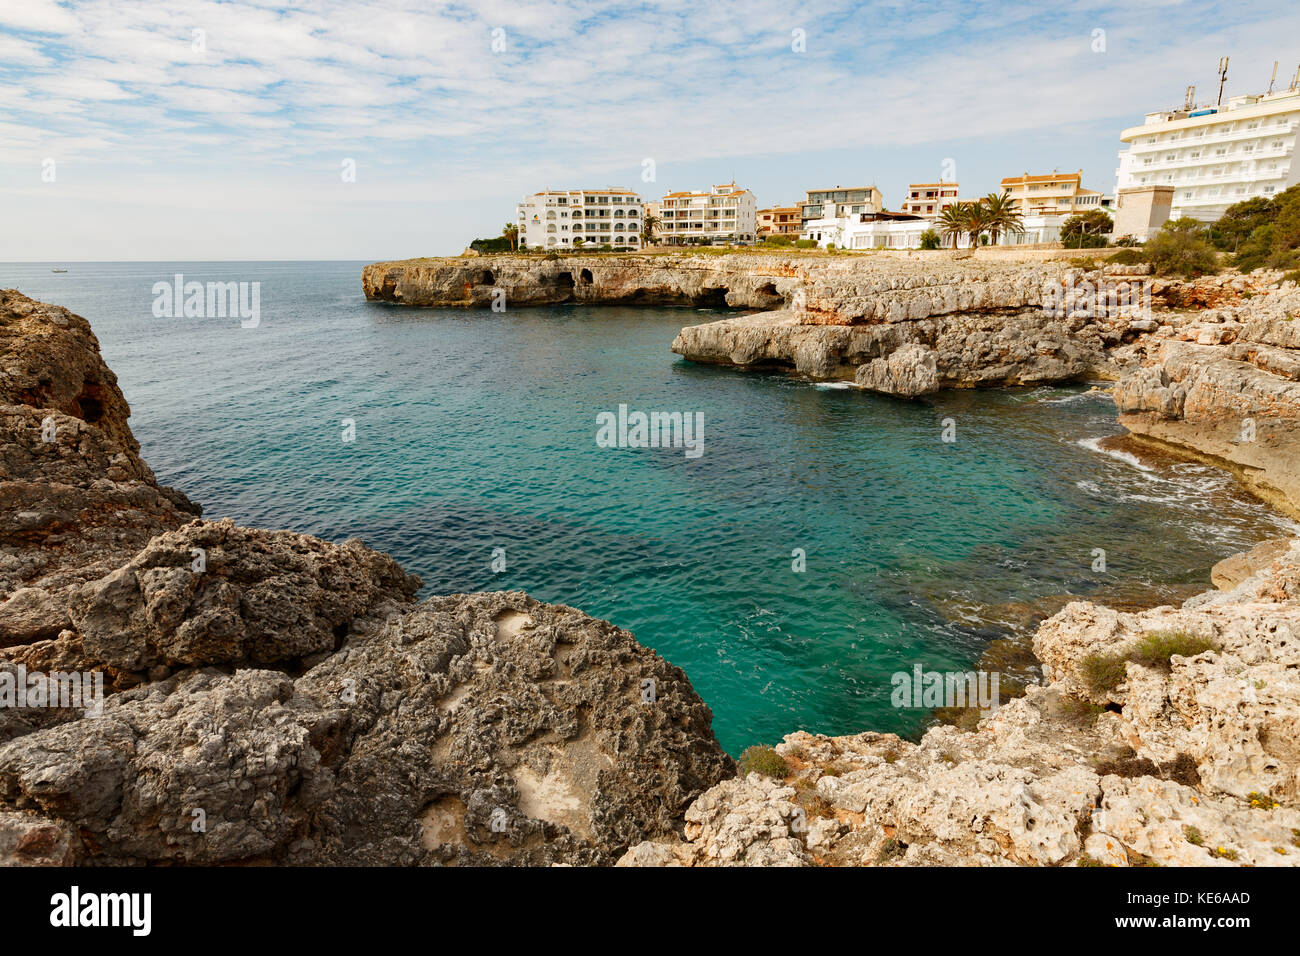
476 431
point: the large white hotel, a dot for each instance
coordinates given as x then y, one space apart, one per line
1215 156
573 218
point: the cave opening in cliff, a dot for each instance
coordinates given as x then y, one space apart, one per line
712 299
89 405
585 275
487 278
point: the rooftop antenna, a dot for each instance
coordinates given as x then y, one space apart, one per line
1223 77
1190 101
1273 80
1295 79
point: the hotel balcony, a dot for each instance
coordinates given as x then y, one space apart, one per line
1196 137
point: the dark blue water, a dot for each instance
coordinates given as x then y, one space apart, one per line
476 431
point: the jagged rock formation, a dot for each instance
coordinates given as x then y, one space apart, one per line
272 697
1193 763
956 326
1224 385
825 289
76 500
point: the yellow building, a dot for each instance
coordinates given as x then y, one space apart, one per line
779 221
1059 194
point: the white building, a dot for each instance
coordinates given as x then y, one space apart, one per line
1216 156
575 218
724 213
902 231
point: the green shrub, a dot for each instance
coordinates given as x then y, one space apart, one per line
805 244
763 759
1193 836
931 240
1086 230
1180 248
1262 232
1128 257
1103 672
1156 649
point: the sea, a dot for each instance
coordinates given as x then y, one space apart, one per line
819 541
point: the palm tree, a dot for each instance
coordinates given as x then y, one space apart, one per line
1003 217
952 222
648 224
511 234
976 217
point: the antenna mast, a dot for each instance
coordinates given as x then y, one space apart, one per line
1273 80
1190 102
1223 77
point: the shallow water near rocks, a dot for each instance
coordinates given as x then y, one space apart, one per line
475 431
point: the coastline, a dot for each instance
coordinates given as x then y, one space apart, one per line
1026 776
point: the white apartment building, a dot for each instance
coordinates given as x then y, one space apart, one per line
724 213
575 218
1216 156
904 231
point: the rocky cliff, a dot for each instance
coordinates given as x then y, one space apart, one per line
1223 384
825 288
271 697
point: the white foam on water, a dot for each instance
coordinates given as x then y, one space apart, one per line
1094 444
1091 395
837 386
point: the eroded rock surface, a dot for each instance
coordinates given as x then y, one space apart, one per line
272 697
1224 385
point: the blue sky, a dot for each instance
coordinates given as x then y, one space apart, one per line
191 129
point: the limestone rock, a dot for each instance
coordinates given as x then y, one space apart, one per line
261 597
908 372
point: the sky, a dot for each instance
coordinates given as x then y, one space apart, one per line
193 129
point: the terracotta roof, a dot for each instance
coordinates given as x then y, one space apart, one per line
930 185
587 192
1054 177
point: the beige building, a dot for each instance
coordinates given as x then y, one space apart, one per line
1058 194
779 221
929 200
724 213
1140 211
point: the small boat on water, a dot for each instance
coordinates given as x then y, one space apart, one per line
58 270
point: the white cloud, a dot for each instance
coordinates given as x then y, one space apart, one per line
415 92
37 16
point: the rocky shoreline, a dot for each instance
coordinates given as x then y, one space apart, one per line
275 698
1208 369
